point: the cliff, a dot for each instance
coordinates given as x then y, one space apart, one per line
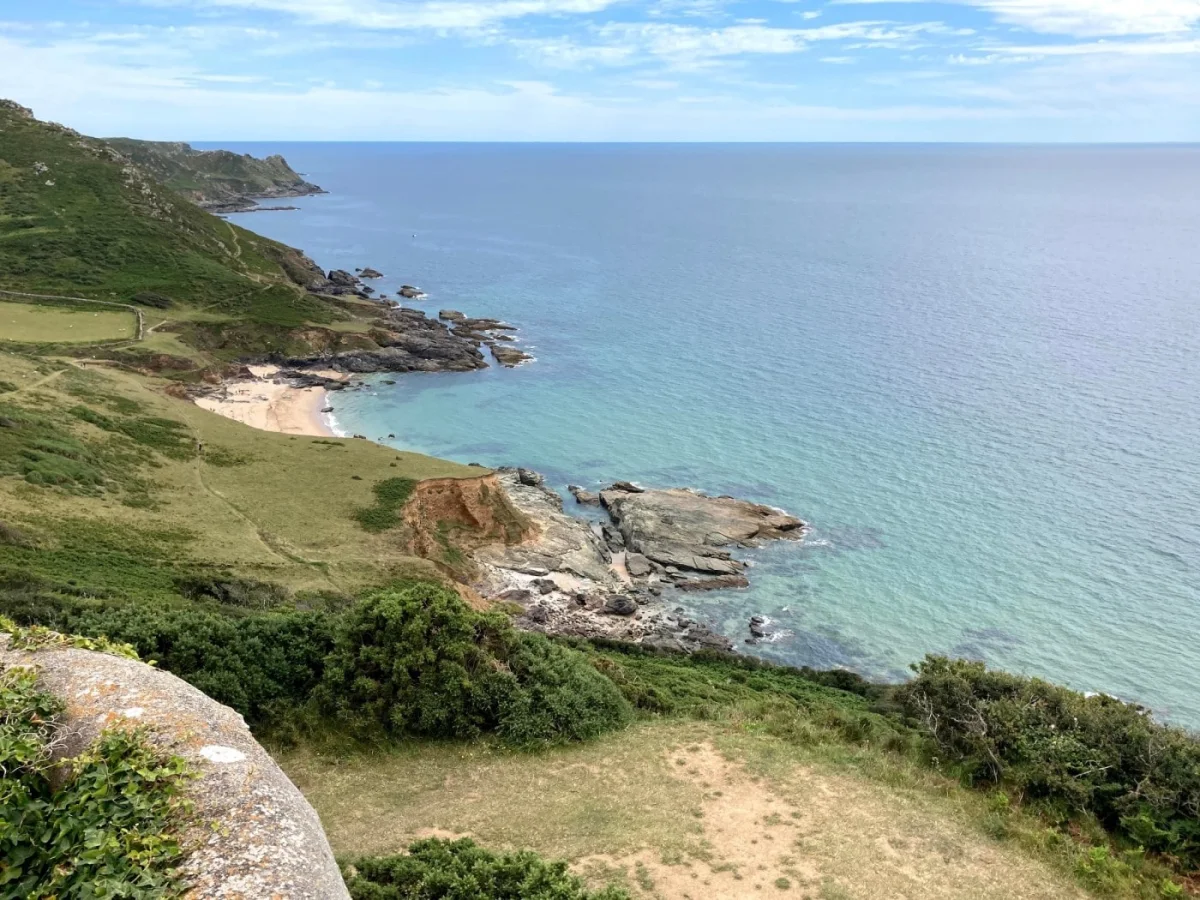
218 180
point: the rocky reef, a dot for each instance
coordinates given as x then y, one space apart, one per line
615 578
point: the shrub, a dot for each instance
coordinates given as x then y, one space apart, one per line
461 870
263 665
1073 754
150 298
416 661
108 830
390 497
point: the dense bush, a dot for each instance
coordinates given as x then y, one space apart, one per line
151 298
413 660
1074 754
460 870
417 661
262 665
106 831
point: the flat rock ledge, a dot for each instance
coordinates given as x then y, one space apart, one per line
615 579
253 835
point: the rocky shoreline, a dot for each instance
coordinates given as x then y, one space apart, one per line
404 339
617 579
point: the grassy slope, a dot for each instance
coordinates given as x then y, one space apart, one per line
135 512
78 219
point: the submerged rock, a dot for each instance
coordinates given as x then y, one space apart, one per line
509 357
582 496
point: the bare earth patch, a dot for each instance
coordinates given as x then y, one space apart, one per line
679 812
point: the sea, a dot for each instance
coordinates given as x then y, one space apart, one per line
974 370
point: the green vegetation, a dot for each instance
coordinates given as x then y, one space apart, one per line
390 497
212 176
460 870
99 475
42 324
416 661
107 830
409 661
1068 754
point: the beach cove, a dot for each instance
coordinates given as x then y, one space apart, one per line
984 422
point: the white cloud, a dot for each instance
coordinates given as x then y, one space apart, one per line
687 46
566 54
381 15
1084 18
1109 48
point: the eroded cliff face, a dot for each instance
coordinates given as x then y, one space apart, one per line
447 518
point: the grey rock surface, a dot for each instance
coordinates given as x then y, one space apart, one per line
688 530
252 834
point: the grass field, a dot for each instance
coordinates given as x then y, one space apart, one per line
698 811
256 504
30 323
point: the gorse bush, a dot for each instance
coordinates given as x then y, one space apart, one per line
417 661
1070 753
461 870
263 665
108 830
411 661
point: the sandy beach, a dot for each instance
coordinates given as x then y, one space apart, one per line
262 402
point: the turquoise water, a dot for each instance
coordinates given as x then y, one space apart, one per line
974 370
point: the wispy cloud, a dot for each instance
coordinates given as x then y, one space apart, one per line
378 15
1083 18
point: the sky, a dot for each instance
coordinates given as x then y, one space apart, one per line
609 70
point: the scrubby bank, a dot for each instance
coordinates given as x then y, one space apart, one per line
1072 755
416 661
437 869
409 661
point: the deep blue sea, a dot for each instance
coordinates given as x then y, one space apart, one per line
975 370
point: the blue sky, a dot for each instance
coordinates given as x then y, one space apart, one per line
960 70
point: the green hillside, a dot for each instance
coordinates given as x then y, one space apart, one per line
216 179
78 218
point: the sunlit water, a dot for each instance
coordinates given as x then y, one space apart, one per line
975 371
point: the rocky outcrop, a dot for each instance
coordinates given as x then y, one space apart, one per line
509 357
561 544
406 340
251 833
409 292
596 579
692 531
368 272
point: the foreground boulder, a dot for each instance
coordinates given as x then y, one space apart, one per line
252 834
